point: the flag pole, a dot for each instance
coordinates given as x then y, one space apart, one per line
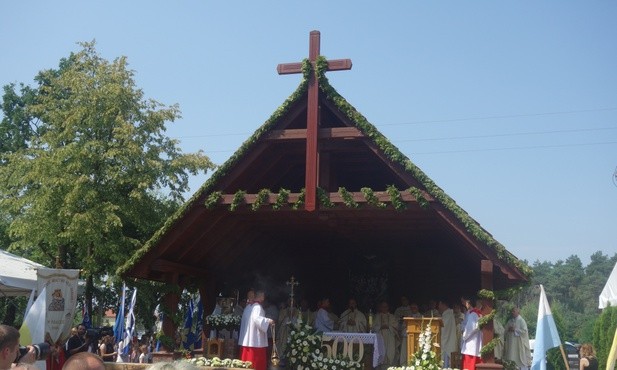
565 359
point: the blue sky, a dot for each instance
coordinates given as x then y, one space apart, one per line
509 106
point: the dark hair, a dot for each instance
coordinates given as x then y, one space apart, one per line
9 336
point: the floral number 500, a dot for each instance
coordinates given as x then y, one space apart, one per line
348 348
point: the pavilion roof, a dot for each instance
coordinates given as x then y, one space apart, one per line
429 190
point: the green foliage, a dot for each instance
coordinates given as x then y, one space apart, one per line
281 199
237 200
324 199
371 198
213 199
88 166
262 197
347 198
395 198
487 319
300 202
603 333
417 193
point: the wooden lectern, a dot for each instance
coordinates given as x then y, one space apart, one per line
415 327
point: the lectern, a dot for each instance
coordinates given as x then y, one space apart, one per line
415 327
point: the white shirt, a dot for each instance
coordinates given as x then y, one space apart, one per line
323 323
472 336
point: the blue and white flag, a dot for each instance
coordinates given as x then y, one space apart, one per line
130 325
119 324
86 317
547 336
188 337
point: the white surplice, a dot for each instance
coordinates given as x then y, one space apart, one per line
256 330
386 324
472 335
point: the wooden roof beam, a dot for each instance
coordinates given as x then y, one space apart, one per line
336 198
323 133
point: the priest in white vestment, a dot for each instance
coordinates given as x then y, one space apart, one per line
306 315
471 337
323 322
404 310
255 335
517 341
448 343
287 317
352 320
386 324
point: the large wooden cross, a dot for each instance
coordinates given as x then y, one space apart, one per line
312 115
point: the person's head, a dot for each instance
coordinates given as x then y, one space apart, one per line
9 345
587 350
250 295
442 305
404 301
73 331
352 304
467 303
81 330
324 303
260 296
84 361
456 307
414 308
383 307
143 348
515 312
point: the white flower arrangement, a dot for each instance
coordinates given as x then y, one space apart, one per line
424 358
225 321
304 351
217 362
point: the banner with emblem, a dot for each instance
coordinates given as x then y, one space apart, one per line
60 287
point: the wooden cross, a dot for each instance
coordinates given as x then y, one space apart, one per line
312 115
292 283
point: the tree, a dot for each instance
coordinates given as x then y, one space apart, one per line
87 165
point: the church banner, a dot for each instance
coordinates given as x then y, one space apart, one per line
60 287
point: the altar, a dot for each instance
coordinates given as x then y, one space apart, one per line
366 347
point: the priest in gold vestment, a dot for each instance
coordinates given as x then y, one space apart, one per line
352 320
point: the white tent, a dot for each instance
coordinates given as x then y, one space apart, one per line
609 293
17 275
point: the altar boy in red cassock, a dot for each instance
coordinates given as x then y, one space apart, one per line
255 340
472 337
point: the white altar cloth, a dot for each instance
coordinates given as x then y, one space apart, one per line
375 339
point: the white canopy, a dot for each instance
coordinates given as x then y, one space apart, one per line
17 275
609 293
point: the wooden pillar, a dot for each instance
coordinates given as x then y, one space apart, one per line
170 302
486 277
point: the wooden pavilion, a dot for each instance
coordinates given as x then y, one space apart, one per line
319 193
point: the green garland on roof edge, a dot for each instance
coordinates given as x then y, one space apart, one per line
369 130
395 198
395 155
237 200
281 199
347 198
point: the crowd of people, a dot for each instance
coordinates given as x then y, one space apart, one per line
461 335
104 345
